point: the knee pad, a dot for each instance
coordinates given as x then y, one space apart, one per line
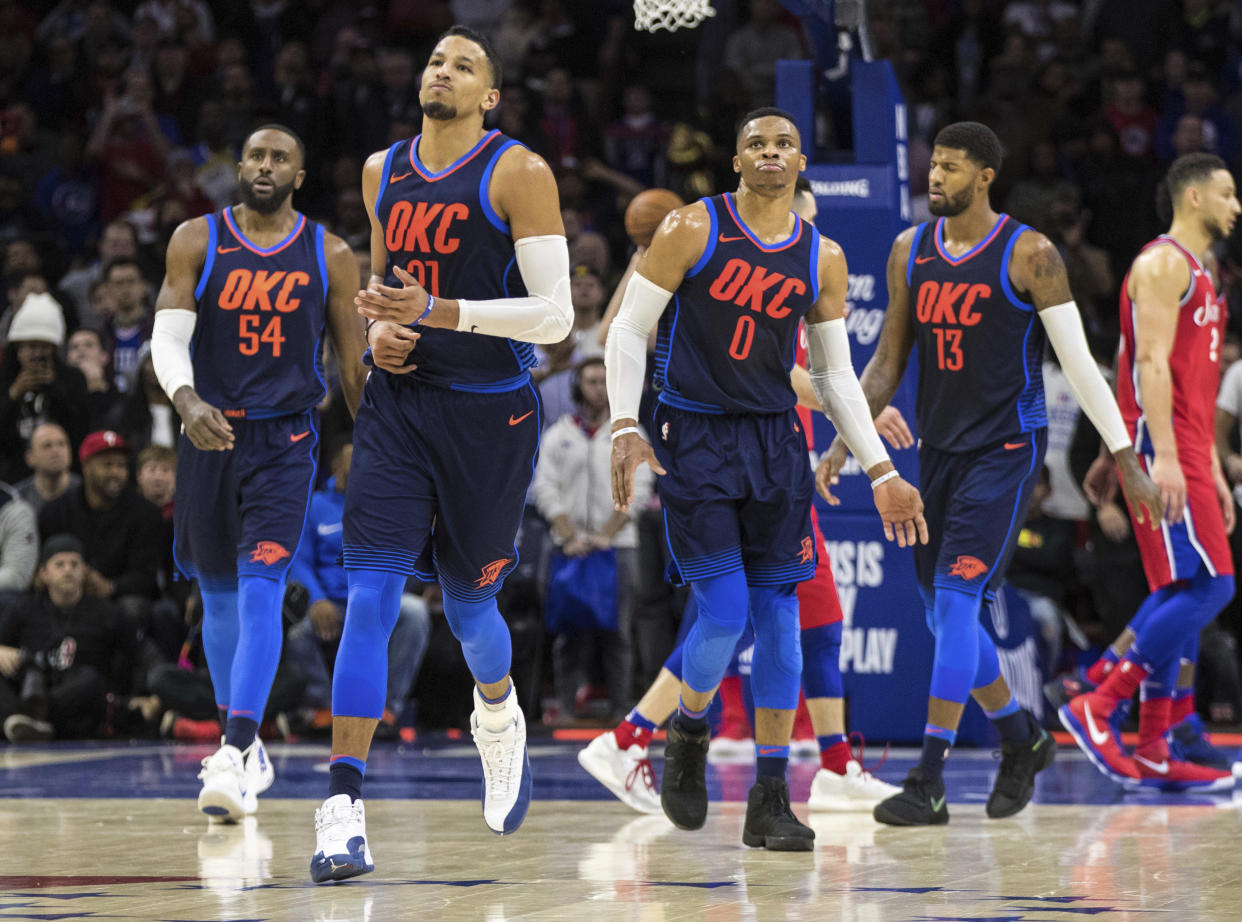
220 626
360 679
821 661
956 622
776 672
484 637
722 605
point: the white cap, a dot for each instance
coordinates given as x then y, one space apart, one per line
39 319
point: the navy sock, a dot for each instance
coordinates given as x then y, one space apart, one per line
771 761
1015 726
691 722
240 732
344 778
935 751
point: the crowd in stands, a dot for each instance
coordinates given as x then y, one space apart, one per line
119 119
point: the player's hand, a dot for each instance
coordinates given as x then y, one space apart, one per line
1100 484
629 451
326 620
1144 496
1113 522
391 345
397 305
1166 474
892 425
1224 496
204 424
827 474
901 509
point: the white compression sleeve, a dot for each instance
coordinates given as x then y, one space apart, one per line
544 317
1064 326
625 352
170 349
838 390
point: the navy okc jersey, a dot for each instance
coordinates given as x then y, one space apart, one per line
441 228
727 344
257 345
980 345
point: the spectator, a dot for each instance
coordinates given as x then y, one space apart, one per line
128 145
157 478
119 530
129 327
119 241
145 416
312 643
36 386
571 490
68 194
19 545
634 144
1127 110
61 652
87 354
563 120
180 20
752 51
215 158
49 456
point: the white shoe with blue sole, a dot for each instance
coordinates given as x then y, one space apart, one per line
506 767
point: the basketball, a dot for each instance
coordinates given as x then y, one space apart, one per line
645 212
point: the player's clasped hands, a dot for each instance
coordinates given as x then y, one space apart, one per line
403 305
391 344
629 451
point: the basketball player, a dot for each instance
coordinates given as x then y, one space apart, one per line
247 293
736 488
967 288
1172 326
444 448
618 759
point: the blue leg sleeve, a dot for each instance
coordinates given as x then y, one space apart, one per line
220 636
1179 618
956 622
776 671
722 603
258 645
821 661
987 667
360 678
484 637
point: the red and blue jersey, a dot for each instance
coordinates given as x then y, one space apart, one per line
258 341
1194 365
441 228
727 342
980 345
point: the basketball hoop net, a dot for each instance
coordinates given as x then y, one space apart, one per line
654 15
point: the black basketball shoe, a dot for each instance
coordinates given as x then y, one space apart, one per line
683 793
770 823
920 803
1021 761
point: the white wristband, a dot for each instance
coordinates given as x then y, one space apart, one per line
884 478
633 429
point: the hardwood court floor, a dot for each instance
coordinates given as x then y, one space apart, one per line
110 832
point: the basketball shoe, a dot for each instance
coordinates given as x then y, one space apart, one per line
920 803
223 796
770 823
341 849
628 774
683 793
1158 769
259 775
857 789
1021 761
1188 743
506 766
1098 737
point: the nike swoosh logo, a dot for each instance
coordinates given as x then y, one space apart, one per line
937 804
330 529
1010 446
723 239
1099 737
514 422
299 436
919 260
768 750
1160 768
393 179
227 249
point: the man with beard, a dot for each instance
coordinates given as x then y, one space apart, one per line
967 288
445 445
1172 329
253 288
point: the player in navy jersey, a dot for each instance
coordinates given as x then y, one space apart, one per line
468 249
237 345
741 271
967 289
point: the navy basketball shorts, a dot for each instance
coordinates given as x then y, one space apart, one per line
442 471
737 495
975 503
241 512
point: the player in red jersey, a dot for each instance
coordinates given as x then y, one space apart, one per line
1172 325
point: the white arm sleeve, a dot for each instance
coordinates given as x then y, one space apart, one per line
547 315
1064 326
625 352
838 390
170 349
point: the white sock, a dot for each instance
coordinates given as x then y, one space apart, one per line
496 715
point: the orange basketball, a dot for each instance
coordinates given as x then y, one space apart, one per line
645 212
